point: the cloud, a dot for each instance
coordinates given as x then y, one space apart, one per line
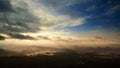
62 7
98 37
50 20
30 16
61 3
58 38
5 6
2 37
91 8
20 20
113 10
44 37
20 36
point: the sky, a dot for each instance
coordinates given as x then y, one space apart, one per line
59 23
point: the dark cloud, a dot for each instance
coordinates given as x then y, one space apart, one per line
98 37
20 36
64 40
2 37
44 37
21 20
5 6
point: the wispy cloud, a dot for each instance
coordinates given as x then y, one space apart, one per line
27 16
91 8
98 37
20 36
44 37
114 9
20 20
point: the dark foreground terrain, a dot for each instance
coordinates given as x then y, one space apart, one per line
60 60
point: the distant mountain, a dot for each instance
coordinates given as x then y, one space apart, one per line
9 53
